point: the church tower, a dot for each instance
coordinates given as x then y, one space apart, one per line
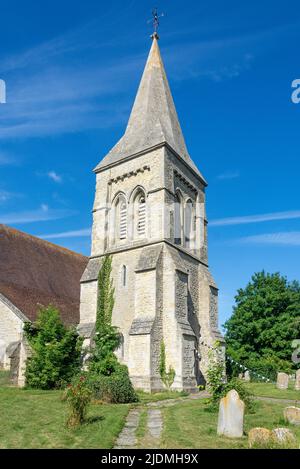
149 214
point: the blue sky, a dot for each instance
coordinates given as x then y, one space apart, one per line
72 71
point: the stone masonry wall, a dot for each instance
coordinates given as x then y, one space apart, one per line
10 331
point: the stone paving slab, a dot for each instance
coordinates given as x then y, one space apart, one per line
127 438
155 424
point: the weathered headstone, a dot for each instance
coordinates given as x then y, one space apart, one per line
231 415
247 376
297 382
292 415
259 437
282 381
283 436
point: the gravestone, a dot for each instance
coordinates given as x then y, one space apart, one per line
297 382
283 436
231 415
259 437
292 415
247 376
282 381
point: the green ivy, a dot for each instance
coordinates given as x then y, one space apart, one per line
166 377
109 380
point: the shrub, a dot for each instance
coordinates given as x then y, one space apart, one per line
218 386
103 360
215 376
55 351
243 392
78 396
113 388
166 377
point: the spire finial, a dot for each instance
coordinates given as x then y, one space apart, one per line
155 22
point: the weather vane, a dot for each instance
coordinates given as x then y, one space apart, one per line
155 22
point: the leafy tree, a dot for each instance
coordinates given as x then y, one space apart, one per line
55 351
265 320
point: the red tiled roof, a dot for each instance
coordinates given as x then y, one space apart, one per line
35 273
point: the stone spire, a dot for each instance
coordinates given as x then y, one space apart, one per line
153 119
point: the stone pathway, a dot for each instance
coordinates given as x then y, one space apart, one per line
127 438
277 399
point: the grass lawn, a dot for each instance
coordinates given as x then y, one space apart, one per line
4 376
189 425
270 390
36 419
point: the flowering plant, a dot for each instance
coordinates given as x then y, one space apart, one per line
78 396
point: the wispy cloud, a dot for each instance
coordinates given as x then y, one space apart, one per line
43 213
54 176
68 234
228 175
5 196
289 215
53 91
288 238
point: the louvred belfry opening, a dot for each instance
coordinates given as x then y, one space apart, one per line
123 220
142 216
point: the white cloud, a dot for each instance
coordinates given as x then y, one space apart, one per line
6 195
45 207
288 238
228 175
44 213
68 234
289 215
54 176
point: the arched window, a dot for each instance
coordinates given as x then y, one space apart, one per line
188 223
140 216
178 219
123 220
120 218
124 275
141 222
